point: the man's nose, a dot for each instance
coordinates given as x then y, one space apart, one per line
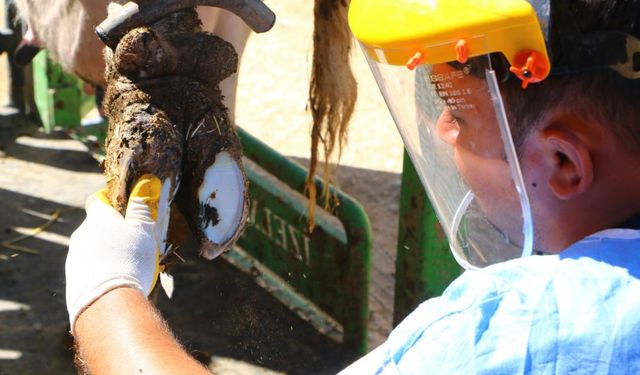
447 128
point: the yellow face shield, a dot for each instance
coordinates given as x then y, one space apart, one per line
432 61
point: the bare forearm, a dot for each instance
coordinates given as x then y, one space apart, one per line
121 333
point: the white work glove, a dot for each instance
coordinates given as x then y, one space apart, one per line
108 251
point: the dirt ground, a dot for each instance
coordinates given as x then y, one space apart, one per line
217 311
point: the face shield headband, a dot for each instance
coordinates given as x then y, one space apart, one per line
571 51
418 52
433 64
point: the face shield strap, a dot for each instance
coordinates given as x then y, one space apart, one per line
608 49
572 51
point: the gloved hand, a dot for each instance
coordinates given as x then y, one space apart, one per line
108 251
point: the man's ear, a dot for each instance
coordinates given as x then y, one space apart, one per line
571 162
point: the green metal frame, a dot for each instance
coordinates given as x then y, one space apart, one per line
424 263
58 95
62 103
330 266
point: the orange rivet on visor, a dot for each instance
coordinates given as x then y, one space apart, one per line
530 67
462 51
415 60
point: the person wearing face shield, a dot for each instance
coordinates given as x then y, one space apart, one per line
522 120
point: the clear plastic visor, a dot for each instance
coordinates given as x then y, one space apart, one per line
453 124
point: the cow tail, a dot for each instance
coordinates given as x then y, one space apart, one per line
332 94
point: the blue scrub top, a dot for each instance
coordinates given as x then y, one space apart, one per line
577 312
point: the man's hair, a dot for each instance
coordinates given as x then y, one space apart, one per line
600 95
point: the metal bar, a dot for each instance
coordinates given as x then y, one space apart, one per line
57 94
253 12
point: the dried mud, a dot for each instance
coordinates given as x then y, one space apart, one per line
166 114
